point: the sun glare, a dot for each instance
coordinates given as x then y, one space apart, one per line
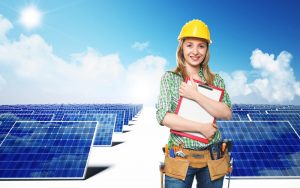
31 17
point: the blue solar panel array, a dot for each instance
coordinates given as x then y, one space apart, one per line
268 149
54 141
40 150
266 140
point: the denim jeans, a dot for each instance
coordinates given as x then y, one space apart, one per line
202 177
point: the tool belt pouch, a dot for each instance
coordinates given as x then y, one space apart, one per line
197 160
176 167
218 168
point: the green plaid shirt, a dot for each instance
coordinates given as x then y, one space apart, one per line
168 99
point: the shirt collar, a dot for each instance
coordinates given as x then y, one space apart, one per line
201 74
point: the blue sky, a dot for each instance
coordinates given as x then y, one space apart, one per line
140 39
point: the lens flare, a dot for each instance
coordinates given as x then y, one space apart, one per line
31 17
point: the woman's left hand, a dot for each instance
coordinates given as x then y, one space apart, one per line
188 91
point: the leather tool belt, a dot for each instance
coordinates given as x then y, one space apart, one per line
178 159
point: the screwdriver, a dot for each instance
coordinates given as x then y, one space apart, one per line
167 150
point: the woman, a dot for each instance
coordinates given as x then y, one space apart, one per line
192 62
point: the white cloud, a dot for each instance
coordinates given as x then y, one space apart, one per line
34 74
237 83
88 77
276 82
5 26
145 75
140 46
2 82
28 57
90 65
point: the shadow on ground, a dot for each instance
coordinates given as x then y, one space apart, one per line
92 171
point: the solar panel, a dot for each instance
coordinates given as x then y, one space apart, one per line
263 149
46 150
57 114
105 129
7 120
294 119
5 126
14 111
288 107
119 119
243 114
59 110
283 112
126 108
37 117
260 107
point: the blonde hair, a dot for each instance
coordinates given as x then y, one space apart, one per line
180 69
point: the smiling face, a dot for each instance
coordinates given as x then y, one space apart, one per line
194 51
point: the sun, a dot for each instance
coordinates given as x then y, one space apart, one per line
31 17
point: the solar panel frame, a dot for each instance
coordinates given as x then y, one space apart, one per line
35 162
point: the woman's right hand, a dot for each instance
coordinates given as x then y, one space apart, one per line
209 130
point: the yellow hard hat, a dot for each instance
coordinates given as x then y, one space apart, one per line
195 28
